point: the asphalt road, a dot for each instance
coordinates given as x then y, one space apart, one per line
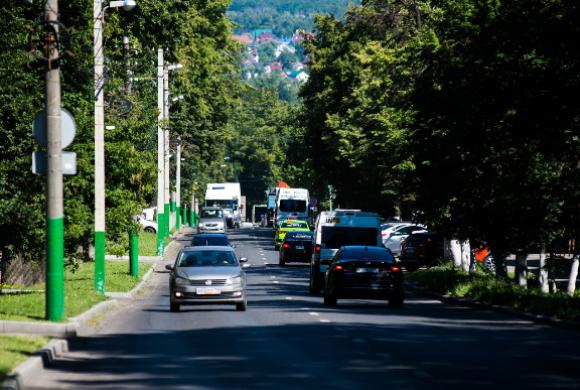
288 340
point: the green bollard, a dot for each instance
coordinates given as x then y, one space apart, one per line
133 254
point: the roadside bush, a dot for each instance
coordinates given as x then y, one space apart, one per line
484 288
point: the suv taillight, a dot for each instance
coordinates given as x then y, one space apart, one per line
286 245
317 248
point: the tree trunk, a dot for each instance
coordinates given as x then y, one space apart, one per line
465 255
573 276
456 252
543 276
447 254
522 269
500 267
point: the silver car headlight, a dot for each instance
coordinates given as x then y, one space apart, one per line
179 281
234 280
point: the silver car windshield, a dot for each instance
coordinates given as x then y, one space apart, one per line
212 213
207 259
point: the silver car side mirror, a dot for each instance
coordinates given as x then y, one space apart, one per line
243 259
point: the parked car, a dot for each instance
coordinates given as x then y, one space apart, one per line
364 272
388 228
211 220
297 246
210 239
287 226
395 241
148 226
421 249
207 275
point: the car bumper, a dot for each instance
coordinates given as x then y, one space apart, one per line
189 295
211 230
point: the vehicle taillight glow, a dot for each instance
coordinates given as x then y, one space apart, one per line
286 245
395 269
338 267
317 248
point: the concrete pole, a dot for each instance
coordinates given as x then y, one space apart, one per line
54 184
166 148
99 149
178 184
160 157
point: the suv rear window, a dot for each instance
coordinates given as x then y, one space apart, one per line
212 241
361 254
334 237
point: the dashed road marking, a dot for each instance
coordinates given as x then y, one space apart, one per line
275 282
324 320
289 298
313 313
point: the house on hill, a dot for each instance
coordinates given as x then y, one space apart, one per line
246 39
259 31
298 75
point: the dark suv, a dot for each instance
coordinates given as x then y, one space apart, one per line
297 246
421 249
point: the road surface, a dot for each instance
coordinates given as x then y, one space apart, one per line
288 340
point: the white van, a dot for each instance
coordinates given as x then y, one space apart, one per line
338 228
292 203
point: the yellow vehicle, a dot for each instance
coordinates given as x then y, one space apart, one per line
285 227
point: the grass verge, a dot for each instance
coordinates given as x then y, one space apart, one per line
485 288
148 243
15 349
79 292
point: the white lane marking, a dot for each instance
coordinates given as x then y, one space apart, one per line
275 282
289 298
272 277
324 320
359 341
313 313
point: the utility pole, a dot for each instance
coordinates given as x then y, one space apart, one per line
99 149
178 184
54 183
160 157
166 149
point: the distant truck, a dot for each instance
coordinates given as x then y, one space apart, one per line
292 203
260 214
228 196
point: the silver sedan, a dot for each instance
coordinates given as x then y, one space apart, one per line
207 275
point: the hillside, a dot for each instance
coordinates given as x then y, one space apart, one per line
282 16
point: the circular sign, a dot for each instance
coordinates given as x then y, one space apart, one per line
67 128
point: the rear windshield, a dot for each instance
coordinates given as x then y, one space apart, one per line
298 236
207 259
210 241
334 237
361 254
293 205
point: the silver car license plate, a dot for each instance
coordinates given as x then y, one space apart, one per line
299 247
207 291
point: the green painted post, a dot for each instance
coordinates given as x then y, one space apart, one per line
134 254
172 205
177 218
55 270
184 215
167 219
160 234
191 217
100 262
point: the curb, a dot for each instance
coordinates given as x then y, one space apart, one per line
17 379
537 318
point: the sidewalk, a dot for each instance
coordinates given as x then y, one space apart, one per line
18 377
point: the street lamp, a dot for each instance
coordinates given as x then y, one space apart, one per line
98 12
166 69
